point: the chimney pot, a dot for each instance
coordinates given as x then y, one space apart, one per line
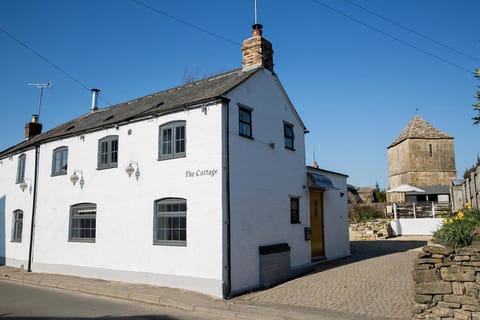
95 93
257 30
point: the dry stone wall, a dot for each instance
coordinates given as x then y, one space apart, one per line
447 283
370 230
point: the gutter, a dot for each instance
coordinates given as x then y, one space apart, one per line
34 207
227 288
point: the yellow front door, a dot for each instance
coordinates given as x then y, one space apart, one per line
316 224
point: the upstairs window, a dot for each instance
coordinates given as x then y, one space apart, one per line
294 210
83 222
245 122
59 161
172 140
289 136
17 226
171 222
108 152
22 159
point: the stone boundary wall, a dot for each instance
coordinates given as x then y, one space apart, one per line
447 283
370 230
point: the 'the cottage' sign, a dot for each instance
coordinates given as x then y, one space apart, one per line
201 173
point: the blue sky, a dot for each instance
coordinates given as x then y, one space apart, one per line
355 79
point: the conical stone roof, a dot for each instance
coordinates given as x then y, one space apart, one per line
418 128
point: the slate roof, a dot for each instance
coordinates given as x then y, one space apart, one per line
152 105
418 128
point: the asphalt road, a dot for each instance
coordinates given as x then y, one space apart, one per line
20 301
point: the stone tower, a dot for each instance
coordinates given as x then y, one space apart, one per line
421 156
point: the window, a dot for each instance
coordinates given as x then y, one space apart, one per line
245 122
430 149
294 210
59 161
83 222
289 136
172 140
17 226
21 168
171 222
108 152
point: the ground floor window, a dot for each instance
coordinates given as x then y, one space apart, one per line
83 222
17 226
294 210
170 222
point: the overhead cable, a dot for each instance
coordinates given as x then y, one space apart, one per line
412 31
191 25
23 44
393 37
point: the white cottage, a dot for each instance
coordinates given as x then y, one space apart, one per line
202 187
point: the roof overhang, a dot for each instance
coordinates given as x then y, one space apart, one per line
320 182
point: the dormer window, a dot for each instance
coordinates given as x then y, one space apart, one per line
22 159
107 152
172 140
60 161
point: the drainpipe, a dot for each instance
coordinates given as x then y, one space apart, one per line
227 288
34 207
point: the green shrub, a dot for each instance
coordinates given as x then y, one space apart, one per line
364 213
459 230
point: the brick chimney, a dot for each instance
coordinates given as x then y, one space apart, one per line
257 51
32 128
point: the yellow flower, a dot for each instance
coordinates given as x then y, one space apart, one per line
460 215
445 221
468 205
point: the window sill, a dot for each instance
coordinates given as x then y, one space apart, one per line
110 167
16 241
298 222
170 243
245 136
82 240
172 157
291 149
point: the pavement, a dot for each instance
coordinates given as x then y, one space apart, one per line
374 283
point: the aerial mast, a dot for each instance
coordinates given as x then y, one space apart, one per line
41 86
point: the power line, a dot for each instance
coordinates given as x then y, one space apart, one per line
393 37
23 44
191 25
412 31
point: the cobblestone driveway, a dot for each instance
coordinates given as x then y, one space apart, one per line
376 281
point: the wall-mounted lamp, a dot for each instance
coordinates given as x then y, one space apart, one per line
24 185
74 178
130 169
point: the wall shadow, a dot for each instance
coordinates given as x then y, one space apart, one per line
137 317
363 250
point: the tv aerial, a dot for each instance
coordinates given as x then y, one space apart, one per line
41 86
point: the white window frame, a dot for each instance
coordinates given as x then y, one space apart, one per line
170 222
22 161
108 152
83 222
17 226
245 126
60 161
172 140
289 136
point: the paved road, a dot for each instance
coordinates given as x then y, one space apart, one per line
21 301
375 282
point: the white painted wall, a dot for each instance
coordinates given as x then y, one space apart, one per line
16 253
262 179
335 217
419 226
124 248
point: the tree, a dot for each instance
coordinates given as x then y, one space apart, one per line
476 106
380 194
